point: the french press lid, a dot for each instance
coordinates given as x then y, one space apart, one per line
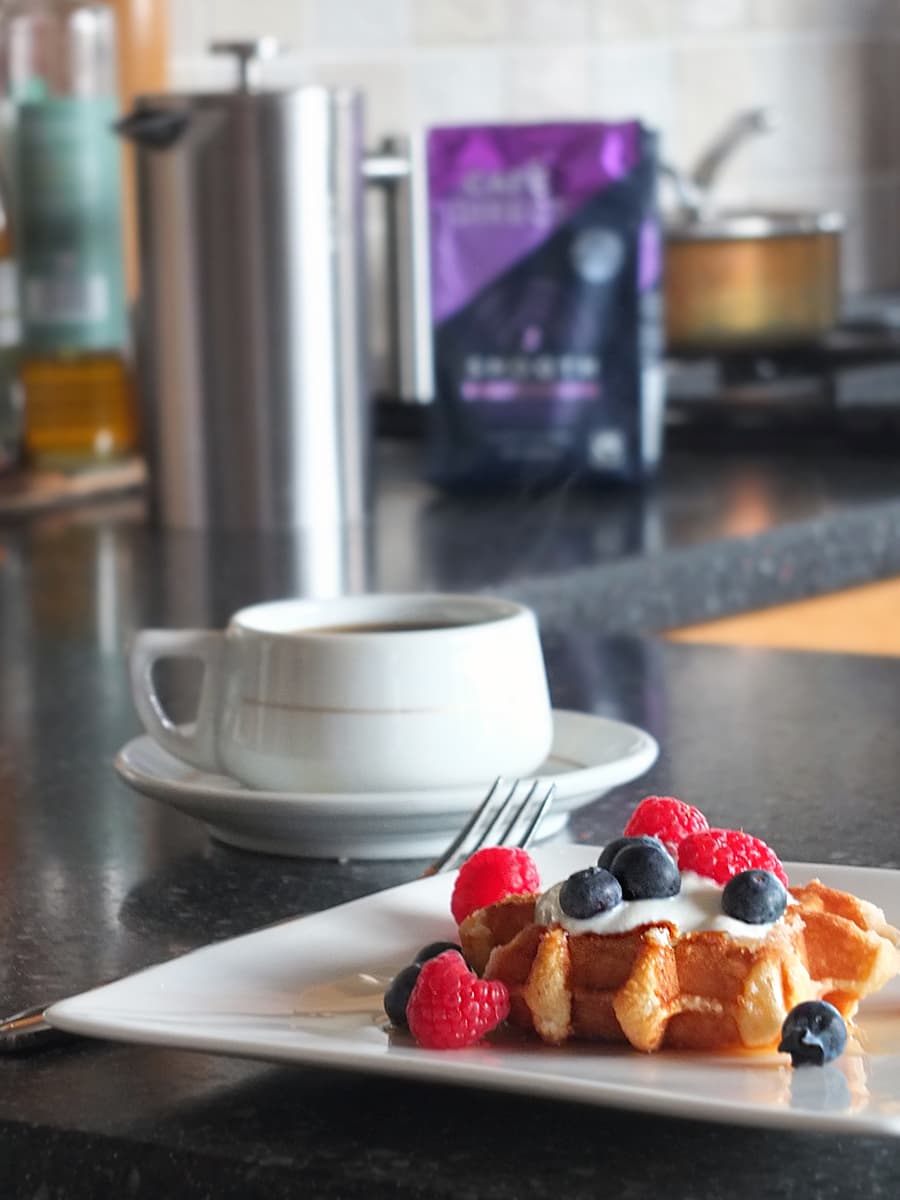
158 121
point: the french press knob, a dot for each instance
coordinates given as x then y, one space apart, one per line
247 54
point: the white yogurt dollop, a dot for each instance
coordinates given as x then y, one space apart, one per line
698 906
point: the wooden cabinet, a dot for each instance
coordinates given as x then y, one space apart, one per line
861 620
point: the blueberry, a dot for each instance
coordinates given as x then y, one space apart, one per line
756 897
611 849
588 892
433 949
813 1032
397 996
646 872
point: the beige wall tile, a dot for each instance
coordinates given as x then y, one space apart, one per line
795 191
189 22
709 16
843 115
546 84
455 22
615 21
462 86
283 19
844 15
202 73
630 82
549 21
836 102
385 86
354 24
709 84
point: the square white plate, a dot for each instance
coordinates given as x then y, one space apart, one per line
309 991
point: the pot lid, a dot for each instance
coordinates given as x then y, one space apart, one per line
741 224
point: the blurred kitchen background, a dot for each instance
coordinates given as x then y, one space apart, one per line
829 68
815 82
825 70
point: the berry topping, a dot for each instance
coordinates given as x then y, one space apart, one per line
720 854
668 819
489 875
450 1007
755 897
646 871
813 1032
433 949
588 892
611 849
397 996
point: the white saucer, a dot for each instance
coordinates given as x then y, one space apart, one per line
589 756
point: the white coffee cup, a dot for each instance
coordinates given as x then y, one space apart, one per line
366 693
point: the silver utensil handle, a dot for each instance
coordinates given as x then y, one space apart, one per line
396 170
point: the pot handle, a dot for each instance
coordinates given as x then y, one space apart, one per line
694 189
738 130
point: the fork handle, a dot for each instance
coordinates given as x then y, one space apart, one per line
28 1030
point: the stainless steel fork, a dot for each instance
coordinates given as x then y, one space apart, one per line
509 815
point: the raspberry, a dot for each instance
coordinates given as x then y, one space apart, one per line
489 875
720 854
450 1007
666 818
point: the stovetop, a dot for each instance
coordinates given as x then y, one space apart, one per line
846 381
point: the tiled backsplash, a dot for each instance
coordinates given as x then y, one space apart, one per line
831 69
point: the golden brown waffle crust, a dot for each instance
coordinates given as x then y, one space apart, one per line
653 987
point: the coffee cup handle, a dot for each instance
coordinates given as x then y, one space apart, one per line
196 743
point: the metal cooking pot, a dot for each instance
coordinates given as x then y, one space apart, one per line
748 277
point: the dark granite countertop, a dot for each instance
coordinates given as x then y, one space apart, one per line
720 531
96 881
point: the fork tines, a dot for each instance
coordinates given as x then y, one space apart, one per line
509 815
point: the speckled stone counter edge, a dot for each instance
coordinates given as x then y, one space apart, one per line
720 578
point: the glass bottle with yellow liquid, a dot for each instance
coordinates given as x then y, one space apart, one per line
65 170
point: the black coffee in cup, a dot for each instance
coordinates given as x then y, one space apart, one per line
385 627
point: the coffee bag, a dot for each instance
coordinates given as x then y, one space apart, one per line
545 258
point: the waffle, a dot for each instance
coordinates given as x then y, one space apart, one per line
654 988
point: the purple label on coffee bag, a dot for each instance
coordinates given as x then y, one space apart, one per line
497 192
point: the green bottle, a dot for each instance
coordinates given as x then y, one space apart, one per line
67 206
10 336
